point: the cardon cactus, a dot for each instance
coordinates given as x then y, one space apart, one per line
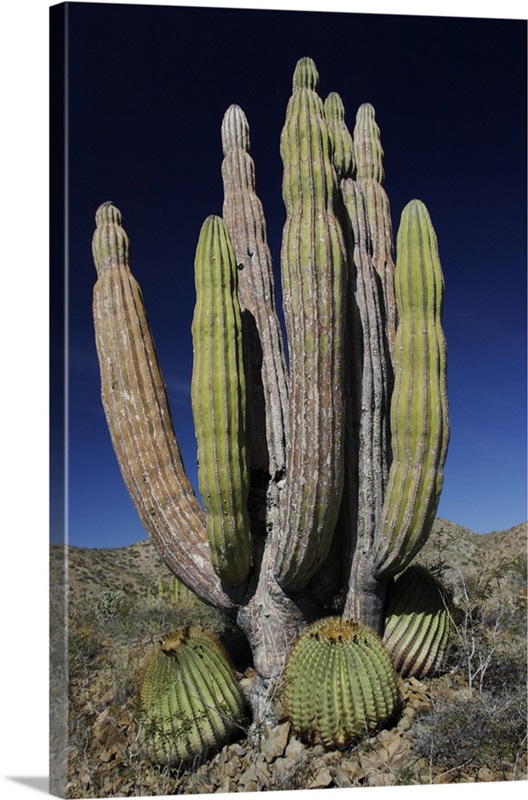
339 683
218 394
190 702
417 622
319 479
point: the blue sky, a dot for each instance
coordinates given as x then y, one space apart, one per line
148 87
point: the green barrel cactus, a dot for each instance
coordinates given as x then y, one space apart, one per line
339 683
417 622
218 393
190 702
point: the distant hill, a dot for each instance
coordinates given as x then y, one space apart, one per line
138 566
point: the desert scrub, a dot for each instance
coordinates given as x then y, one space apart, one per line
461 739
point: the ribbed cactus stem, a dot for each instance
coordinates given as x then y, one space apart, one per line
417 622
266 385
419 413
190 703
367 145
137 411
368 400
339 683
370 176
313 270
219 403
343 146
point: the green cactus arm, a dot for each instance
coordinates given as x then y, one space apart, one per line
138 415
313 269
419 411
343 146
266 382
368 151
219 403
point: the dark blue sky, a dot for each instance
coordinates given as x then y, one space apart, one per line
147 90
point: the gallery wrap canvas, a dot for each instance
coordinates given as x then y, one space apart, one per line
287 369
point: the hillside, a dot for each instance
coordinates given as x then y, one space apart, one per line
466 724
138 566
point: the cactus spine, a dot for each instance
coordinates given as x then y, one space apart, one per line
190 702
219 403
339 683
313 270
417 623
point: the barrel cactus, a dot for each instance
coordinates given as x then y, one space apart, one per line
190 702
320 476
339 683
417 622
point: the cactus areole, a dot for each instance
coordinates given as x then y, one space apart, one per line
318 481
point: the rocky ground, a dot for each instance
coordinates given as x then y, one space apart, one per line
467 724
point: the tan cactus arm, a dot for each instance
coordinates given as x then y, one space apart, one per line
266 382
138 415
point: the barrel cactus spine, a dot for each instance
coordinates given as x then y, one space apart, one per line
190 702
218 395
339 683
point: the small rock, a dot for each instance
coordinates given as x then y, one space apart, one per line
323 777
275 741
295 747
485 774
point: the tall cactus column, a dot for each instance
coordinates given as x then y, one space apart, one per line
138 415
219 403
267 395
313 270
419 410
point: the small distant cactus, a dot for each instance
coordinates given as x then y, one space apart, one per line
190 702
417 622
339 683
